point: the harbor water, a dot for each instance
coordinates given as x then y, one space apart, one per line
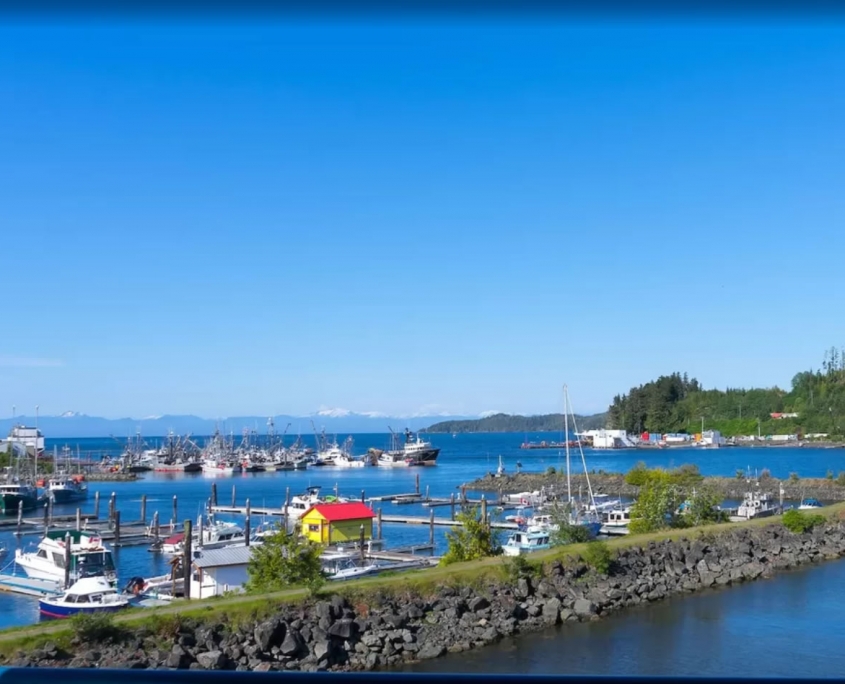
462 458
787 626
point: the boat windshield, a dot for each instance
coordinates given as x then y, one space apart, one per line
94 563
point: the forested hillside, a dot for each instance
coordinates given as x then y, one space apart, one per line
676 403
502 422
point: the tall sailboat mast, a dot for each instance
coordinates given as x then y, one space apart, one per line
566 442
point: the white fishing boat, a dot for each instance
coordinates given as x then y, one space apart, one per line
616 521
87 595
520 542
65 490
302 502
342 565
755 505
345 460
214 535
89 557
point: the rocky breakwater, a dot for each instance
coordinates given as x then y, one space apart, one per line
401 624
614 484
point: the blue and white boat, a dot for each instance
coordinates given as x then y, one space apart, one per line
520 542
809 504
88 595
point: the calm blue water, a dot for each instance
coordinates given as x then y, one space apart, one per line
788 626
462 458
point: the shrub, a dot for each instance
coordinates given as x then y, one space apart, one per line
472 540
598 556
765 474
840 479
740 473
284 560
519 567
793 477
96 628
799 522
550 470
829 475
638 475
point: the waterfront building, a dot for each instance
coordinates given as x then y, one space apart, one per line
333 523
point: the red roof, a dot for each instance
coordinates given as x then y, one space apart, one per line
336 512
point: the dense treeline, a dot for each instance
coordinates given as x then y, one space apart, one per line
676 403
502 422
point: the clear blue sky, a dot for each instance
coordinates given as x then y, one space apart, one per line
230 220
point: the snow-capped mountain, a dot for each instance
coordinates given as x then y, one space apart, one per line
333 420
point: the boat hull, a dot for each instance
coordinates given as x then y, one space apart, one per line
9 503
66 496
57 609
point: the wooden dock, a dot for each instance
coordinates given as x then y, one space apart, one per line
441 522
28 586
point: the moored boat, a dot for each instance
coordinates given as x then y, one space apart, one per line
520 542
16 496
87 595
89 557
65 490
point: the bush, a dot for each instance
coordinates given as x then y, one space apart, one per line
765 474
282 561
799 522
472 540
96 627
829 475
793 477
550 470
840 479
740 473
638 475
519 567
598 556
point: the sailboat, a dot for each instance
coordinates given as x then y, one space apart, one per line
578 513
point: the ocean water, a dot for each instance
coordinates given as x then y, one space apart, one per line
462 458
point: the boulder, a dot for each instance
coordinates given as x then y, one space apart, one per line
269 633
212 660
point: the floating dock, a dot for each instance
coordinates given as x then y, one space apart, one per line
17 584
441 522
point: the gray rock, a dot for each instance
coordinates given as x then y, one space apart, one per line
212 660
322 650
431 650
292 645
479 603
269 633
343 629
584 608
551 611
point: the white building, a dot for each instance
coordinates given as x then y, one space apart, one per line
609 439
711 438
27 437
217 571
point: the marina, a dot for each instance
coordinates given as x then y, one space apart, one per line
407 530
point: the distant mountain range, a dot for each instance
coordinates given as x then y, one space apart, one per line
335 421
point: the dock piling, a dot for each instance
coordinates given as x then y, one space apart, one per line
361 542
431 528
20 516
96 505
213 493
363 497
417 483
484 509
46 517
233 496
378 524
427 497
452 504
175 510
248 522
112 505
336 491
187 556
143 509
67 558
463 494
117 528
155 526
199 530
78 519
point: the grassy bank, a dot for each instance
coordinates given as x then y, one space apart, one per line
240 608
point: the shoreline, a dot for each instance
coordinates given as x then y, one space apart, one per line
614 484
388 622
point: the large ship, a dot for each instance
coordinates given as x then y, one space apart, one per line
414 452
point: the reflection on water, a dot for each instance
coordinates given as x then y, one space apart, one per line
788 626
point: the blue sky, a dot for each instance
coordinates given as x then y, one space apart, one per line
398 217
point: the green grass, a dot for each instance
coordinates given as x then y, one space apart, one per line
245 607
